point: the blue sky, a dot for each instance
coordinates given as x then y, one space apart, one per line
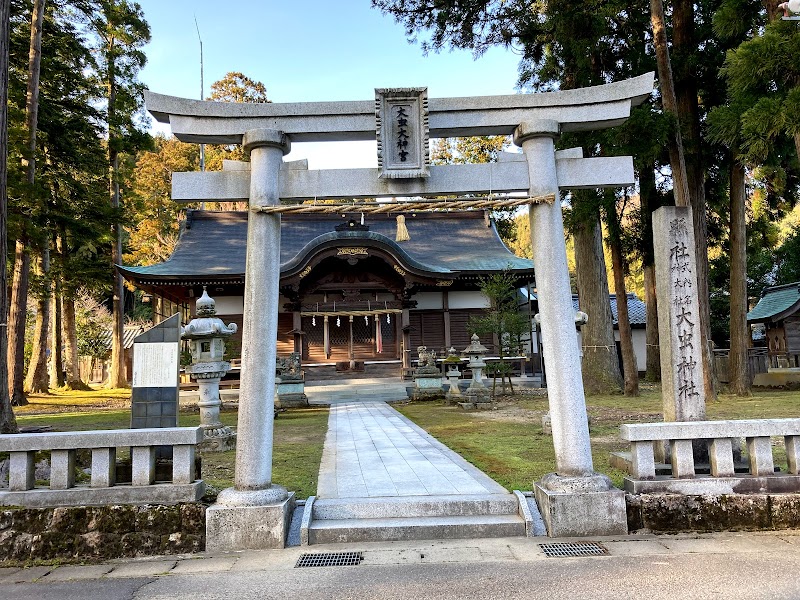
308 50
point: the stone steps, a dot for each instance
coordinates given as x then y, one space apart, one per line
335 531
414 506
340 520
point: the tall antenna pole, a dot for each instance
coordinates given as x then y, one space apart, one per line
202 97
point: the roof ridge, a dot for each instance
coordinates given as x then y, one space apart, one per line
783 286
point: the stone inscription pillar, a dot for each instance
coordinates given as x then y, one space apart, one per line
682 381
564 383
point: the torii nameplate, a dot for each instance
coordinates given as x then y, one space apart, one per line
401 126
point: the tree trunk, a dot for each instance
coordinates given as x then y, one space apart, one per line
653 372
22 262
688 107
16 324
629 366
8 424
738 371
680 185
649 201
71 357
600 367
37 380
56 340
116 375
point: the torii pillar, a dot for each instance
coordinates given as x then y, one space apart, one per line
574 500
255 513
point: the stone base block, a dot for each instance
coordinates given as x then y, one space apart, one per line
478 394
291 400
476 405
218 443
670 513
161 493
573 514
248 527
427 394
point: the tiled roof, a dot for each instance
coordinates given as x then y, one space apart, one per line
776 303
637 310
213 243
130 332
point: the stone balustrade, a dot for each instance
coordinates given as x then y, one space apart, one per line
720 436
102 487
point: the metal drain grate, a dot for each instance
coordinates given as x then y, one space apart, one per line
573 549
330 559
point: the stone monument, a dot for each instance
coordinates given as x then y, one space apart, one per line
427 377
156 370
290 382
477 394
207 334
682 381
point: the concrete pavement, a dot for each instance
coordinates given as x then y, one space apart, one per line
726 565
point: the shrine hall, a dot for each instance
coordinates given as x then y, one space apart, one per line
353 287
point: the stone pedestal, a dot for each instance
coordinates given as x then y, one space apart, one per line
477 392
453 377
427 386
216 436
248 527
581 506
290 394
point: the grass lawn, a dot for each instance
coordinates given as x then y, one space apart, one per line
508 443
298 437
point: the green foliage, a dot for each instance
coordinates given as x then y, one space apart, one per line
154 217
234 87
93 322
787 260
238 87
502 318
120 32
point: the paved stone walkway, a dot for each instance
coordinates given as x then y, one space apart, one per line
371 450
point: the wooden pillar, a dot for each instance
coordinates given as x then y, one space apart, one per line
405 323
351 353
297 326
446 307
326 337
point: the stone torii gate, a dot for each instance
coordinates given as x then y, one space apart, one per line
574 500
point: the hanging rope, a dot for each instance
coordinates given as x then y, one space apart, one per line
394 206
351 313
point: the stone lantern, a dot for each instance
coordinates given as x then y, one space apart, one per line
207 334
452 363
476 393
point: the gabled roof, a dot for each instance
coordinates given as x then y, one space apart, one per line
213 244
637 310
776 303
